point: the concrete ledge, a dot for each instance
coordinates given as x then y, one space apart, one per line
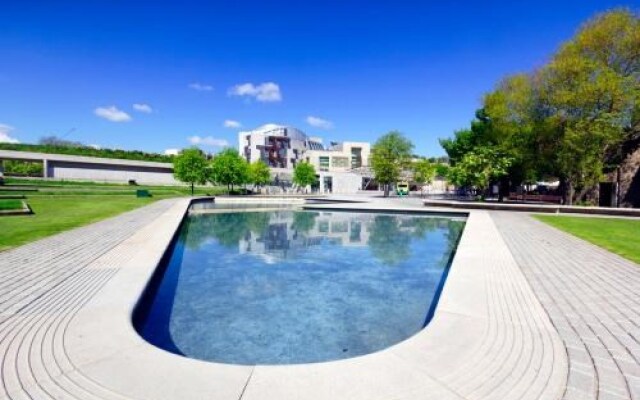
25 210
258 200
542 208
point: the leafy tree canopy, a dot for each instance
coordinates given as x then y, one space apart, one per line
304 174
190 166
423 171
229 168
389 156
479 167
259 173
569 119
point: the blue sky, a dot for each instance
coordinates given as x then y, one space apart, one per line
76 69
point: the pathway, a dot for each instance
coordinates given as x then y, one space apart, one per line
593 299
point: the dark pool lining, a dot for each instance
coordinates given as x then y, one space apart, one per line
148 296
443 280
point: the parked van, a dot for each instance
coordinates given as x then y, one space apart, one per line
402 188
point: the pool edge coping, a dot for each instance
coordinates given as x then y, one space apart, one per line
102 338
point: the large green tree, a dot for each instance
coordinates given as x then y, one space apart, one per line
229 168
190 166
423 171
568 119
590 89
304 174
390 155
259 173
479 168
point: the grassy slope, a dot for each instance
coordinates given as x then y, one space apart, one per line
63 205
620 236
57 214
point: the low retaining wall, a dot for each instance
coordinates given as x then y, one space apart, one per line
259 200
25 210
542 208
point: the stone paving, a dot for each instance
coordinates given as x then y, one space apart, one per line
65 324
42 286
593 299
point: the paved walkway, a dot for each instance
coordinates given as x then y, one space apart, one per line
491 338
42 286
593 299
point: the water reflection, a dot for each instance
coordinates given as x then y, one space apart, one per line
284 287
283 235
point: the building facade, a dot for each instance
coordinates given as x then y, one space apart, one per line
341 167
69 167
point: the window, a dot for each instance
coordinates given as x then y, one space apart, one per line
356 157
340 162
324 163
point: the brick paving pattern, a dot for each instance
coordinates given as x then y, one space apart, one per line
593 299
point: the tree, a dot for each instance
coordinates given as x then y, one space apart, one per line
259 173
423 171
59 142
229 168
590 89
480 133
389 156
304 174
569 119
442 170
190 166
478 168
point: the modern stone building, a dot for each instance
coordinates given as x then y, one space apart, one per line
342 167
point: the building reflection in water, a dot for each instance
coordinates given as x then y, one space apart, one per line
280 235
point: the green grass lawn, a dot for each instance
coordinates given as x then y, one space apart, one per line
62 205
76 188
10 204
54 214
618 235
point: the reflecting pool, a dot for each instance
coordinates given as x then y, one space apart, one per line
288 286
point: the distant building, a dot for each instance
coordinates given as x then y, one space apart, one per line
83 168
342 167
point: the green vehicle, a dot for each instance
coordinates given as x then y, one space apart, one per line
402 188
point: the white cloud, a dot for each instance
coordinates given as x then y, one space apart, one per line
208 141
143 108
319 122
201 87
171 152
5 137
229 123
112 113
95 146
264 92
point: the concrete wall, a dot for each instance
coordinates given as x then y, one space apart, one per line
342 182
109 173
